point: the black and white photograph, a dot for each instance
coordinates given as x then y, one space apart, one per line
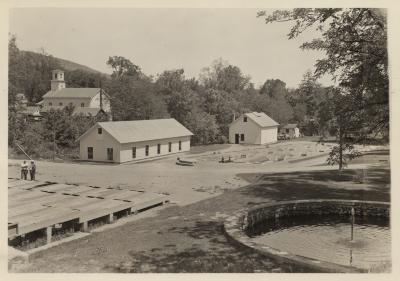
199 139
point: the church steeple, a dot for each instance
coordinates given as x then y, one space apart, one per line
57 80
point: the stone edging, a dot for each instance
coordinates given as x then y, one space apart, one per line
235 225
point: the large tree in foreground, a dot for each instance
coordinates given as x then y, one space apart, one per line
355 44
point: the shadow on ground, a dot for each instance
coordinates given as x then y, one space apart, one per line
190 238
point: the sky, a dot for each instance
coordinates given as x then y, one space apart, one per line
165 39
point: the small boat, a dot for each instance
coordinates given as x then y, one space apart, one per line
184 163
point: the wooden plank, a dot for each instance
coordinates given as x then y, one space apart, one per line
29 212
79 190
47 221
123 194
23 210
39 199
27 196
18 183
102 192
42 201
142 197
76 202
59 187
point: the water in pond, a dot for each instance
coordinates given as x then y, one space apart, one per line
329 239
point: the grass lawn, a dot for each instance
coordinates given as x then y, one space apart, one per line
190 238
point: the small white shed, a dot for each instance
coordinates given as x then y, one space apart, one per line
253 128
124 141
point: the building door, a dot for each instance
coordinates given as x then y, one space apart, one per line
110 154
237 138
90 152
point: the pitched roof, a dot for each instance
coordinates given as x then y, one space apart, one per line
144 130
72 93
262 119
289 126
87 111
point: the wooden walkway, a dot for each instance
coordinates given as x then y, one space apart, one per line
41 205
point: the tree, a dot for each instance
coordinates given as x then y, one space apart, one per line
135 99
223 76
171 81
83 79
122 67
344 122
203 126
274 88
355 44
222 105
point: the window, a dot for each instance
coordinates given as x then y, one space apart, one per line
110 154
60 104
83 104
287 131
158 148
147 150
90 152
50 104
180 145
99 131
245 119
169 146
55 76
133 152
241 137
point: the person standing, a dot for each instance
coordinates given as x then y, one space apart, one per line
32 170
24 170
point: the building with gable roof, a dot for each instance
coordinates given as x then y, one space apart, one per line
291 130
124 141
253 128
89 101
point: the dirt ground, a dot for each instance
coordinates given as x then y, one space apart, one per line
184 184
186 236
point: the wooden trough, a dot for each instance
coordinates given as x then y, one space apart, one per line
44 206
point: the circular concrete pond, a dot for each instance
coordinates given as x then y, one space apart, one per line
317 235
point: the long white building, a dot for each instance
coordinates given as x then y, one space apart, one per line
124 141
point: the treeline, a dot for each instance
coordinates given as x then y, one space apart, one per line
206 105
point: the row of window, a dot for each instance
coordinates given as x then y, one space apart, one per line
147 149
61 104
110 151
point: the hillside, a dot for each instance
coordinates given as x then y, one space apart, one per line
69 65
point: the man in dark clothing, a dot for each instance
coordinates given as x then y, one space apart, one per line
32 170
24 170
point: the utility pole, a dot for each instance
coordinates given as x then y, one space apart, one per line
54 144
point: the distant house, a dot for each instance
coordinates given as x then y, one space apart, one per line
124 141
291 130
85 100
253 128
32 113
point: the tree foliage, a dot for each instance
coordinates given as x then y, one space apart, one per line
354 41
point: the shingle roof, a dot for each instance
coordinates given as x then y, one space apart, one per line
73 93
87 111
262 119
145 130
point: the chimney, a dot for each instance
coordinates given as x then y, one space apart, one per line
234 117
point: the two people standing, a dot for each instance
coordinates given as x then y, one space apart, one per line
25 168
